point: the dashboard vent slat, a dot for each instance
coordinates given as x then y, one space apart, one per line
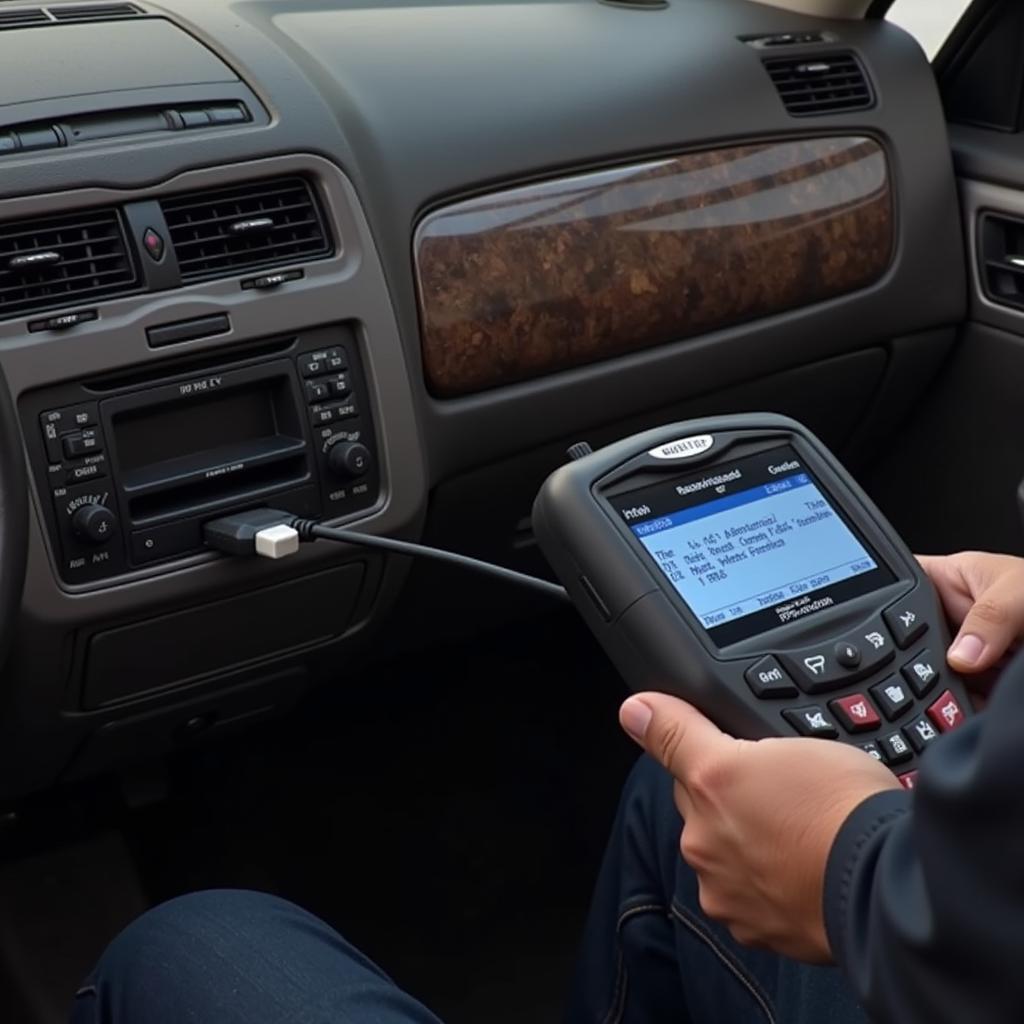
23 16
95 12
828 84
94 261
204 227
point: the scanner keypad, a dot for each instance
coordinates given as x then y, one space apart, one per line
862 656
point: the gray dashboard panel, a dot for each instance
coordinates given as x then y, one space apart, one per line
57 61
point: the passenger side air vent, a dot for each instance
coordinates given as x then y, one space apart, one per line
259 224
58 261
829 84
1001 244
95 12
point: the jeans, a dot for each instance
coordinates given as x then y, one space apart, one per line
648 956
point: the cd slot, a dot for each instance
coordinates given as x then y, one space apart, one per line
223 483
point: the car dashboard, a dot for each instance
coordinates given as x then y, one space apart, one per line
374 264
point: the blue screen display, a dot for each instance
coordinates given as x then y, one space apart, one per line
755 549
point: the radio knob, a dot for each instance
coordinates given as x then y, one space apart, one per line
95 524
349 460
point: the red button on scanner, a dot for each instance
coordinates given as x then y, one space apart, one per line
946 713
908 780
856 713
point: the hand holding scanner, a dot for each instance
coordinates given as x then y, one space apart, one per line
735 563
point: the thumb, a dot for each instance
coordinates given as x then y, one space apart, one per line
673 732
992 624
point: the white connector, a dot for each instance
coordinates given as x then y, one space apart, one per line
277 541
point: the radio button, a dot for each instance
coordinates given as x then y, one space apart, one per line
768 679
892 696
316 391
895 748
922 673
313 365
344 410
907 620
83 443
811 721
91 468
339 385
855 713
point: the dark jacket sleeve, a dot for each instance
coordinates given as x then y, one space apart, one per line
924 892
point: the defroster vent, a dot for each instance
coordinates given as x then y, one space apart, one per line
828 84
58 261
218 232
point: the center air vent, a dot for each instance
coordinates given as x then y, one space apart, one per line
260 224
58 261
829 84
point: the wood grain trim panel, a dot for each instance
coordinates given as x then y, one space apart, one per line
524 282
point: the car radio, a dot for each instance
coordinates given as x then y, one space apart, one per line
735 563
130 469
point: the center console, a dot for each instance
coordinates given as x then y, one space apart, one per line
131 467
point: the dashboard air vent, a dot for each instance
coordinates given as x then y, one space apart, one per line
57 261
95 12
829 84
23 16
221 231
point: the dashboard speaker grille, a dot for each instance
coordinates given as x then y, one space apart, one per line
56 261
218 232
828 84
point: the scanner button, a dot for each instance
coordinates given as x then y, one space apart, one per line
922 673
769 679
856 713
921 733
895 748
847 654
946 713
816 671
892 696
875 644
812 721
906 620
321 415
872 749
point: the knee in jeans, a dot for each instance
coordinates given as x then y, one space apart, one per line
173 935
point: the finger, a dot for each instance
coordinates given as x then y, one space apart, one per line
945 573
990 627
673 732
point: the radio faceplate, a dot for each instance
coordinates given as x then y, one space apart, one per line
128 470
